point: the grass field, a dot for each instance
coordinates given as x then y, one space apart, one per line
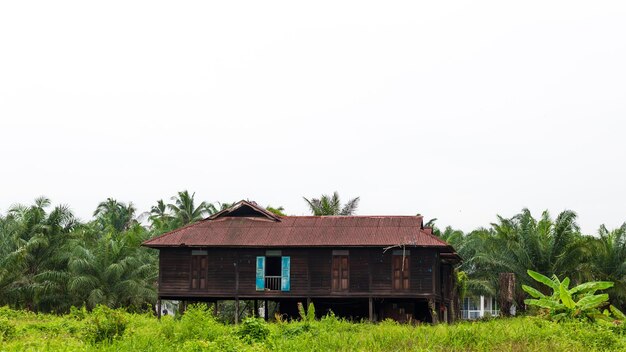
197 330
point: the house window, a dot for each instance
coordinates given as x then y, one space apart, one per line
401 269
340 276
273 272
199 269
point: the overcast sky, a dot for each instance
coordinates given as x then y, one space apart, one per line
459 110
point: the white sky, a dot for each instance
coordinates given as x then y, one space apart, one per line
459 110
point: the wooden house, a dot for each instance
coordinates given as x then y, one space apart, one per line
363 267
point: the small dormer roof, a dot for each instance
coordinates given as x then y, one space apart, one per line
247 209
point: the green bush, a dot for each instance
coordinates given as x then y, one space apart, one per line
198 330
198 322
78 313
7 329
253 330
104 324
7 312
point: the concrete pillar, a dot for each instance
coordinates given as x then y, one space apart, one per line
482 306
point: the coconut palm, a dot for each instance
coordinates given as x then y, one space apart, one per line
331 205
184 210
280 211
160 217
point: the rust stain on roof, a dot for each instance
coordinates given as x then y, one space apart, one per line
268 230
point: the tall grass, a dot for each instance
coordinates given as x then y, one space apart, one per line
198 330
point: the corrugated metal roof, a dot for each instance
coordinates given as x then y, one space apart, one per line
301 231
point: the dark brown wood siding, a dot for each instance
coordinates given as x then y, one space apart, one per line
359 270
232 272
320 261
174 269
423 262
381 270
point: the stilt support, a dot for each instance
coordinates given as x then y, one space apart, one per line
237 310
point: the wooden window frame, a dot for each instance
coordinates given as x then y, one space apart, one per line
405 270
199 273
336 286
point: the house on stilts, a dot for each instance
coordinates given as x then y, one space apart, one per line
360 267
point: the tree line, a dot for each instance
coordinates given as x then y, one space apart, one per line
547 245
51 261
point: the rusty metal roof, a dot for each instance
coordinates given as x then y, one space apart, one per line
301 231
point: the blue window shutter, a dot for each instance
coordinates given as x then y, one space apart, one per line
260 273
285 283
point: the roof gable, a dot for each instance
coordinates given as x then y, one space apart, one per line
245 209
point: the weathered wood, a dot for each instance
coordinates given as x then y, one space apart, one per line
506 283
232 272
256 309
434 315
159 308
266 310
237 310
371 309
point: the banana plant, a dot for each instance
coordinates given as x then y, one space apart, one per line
579 302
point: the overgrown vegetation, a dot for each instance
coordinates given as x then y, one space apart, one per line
50 260
198 330
545 245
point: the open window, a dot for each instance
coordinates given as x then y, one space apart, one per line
199 269
401 269
273 272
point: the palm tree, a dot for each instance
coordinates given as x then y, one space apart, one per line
36 246
115 214
331 205
11 261
184 210
520 243
280 211
608 262
160 218
115 272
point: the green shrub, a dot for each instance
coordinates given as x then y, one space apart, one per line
228 343
309 315
198 322
7 329
78 313
7 312
195 346
253 330
168 327
104 324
